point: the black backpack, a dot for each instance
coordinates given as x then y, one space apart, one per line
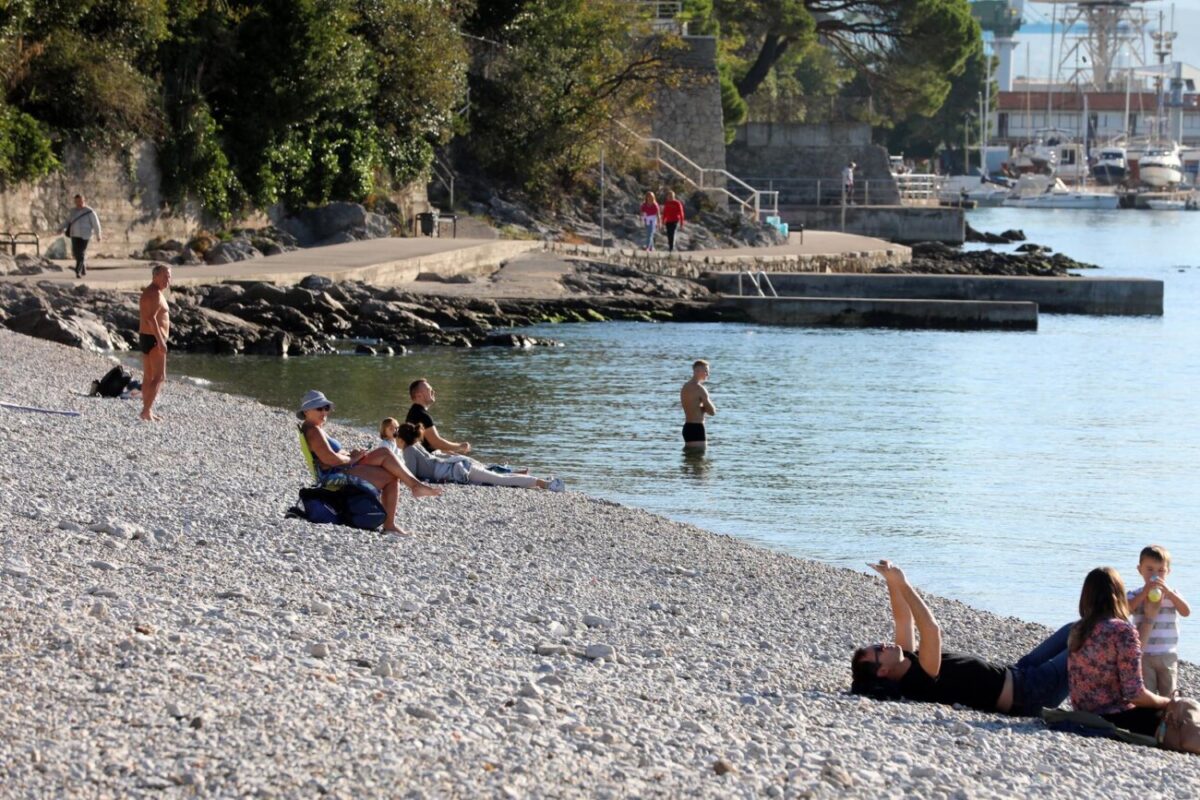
114 382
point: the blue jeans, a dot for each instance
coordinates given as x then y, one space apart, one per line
651 226
1040 677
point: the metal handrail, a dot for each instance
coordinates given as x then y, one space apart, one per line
36 241
832 191
664 14
757 280
758 202
445 175
13 240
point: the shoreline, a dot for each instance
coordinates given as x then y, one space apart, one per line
180 636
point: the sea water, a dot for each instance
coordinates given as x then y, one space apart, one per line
997 468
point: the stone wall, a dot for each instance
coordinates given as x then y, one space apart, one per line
124 187
791 158
689 116
904 224
833 134
695 266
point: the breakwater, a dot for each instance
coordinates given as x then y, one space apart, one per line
1069 295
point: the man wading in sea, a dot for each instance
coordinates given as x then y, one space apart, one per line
153 329
696 403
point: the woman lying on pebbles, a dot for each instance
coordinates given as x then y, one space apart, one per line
456 468
895 670
379 467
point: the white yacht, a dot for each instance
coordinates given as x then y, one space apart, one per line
1042 155
974 188
1110 167
1043 191
1037 158
1160 166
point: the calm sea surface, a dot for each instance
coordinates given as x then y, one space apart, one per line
998 468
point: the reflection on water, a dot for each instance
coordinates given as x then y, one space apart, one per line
695 463
997 468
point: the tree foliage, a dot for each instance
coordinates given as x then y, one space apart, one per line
561 72
921 136
872 60
305 101
262 101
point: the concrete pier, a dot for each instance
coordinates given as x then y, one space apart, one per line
860 312
904 224
1101 296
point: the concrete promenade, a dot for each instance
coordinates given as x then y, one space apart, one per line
377 261
533 273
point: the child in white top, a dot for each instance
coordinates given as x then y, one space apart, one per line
387 436
1156 609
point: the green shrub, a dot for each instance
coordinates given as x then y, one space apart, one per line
25 149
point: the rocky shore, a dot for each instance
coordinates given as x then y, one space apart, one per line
1029 260
168 631
316 314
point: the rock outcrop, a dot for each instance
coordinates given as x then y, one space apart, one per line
318 315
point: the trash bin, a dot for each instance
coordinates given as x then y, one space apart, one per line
428 221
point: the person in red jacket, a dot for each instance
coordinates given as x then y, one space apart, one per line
650 211
672 217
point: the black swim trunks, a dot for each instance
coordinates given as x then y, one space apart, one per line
693 432
146 342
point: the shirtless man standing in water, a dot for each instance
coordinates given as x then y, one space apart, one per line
696 404
153 330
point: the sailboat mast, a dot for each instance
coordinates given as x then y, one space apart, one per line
1028 98
987 110
1128 83
1050 67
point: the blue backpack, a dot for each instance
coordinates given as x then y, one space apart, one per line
348 500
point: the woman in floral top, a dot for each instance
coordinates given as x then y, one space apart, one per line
1104 661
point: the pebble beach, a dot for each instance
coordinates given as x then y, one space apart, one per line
165 631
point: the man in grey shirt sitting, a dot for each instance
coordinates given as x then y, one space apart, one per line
82 225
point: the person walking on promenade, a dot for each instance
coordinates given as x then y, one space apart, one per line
650 214
848 183
154 327
897 669
672 218
696 404
422 395
82 225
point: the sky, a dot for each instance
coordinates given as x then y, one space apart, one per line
1038 16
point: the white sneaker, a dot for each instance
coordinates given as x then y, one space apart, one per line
557 485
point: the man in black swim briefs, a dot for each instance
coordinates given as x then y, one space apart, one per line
154 330
696 404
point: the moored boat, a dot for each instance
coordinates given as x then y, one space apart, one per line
1160 166
1110 167
1041 191
972 188
1167 205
